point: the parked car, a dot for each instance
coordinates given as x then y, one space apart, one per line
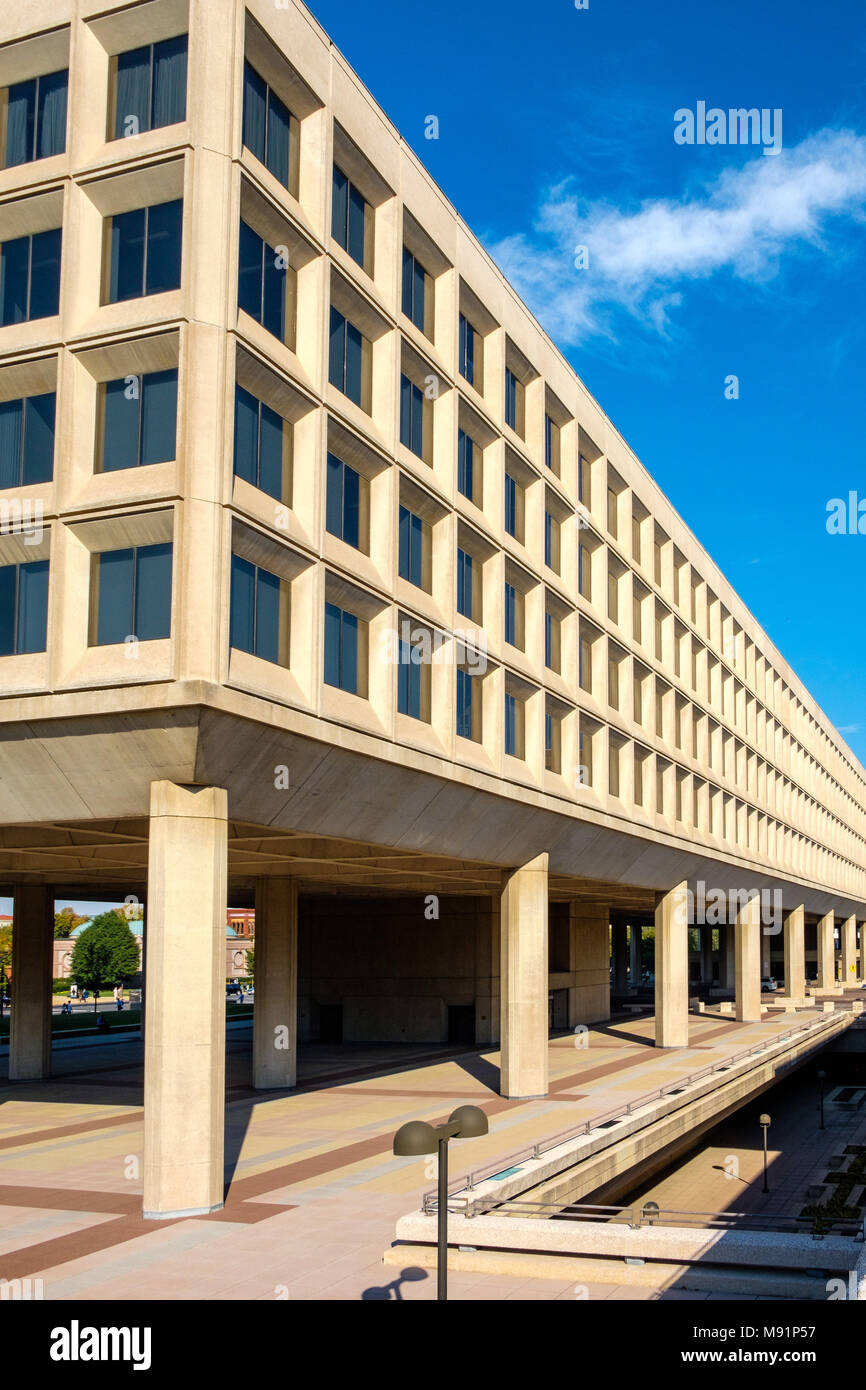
768 985
234 993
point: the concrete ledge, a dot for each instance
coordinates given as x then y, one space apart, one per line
523 1264
669 1244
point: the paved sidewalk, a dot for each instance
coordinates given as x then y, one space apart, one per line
314 1189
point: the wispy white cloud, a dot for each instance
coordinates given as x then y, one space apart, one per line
642 260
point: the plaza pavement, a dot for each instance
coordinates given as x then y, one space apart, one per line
314 1190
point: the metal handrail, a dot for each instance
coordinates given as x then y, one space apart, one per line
620 1112
650 1215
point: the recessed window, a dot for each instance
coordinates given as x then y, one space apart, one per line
23 608
35 118
552 742
584 571
411 416
551 542
468 350
465 579
27 441
346 368
267 127
552 641
150 86
139 420
259 620
468 467
30 277
343 501
613 769
264 284
551 444
584 480
413 677
612 597
412 547
145 251
132 589
349 217
468 705
513 391
513 726
585 665
514 500
344 658
415 295
511 624
262 438
612 512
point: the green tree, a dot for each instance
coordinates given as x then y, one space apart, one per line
5 954
251 960
65 922
105 954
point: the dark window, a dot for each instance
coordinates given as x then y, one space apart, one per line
27 441
510 398
409 681
548 742
36 118
257 611
510 615
140 420
30 277
413 289
510 725
510 505
466 361
464 583
411 547
345 358
464 703
341 649
465 465
548 539
259 441
133 594
23 608
145 251
548 441
412 416
342 502
151 87
262 282
348 217
548 640
267 125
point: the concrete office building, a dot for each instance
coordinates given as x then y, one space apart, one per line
286 425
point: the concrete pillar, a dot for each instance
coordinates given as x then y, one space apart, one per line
588 964
32 973
747 962
795 953
523 977
635 935
672 968
184 1051
275 1005
849 951
487 952
826 951
706 954
620 958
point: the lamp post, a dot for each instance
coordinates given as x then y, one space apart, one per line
822 1077
418 1137
764 1122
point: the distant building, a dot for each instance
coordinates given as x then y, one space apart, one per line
239 925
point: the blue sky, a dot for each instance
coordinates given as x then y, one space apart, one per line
556 128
